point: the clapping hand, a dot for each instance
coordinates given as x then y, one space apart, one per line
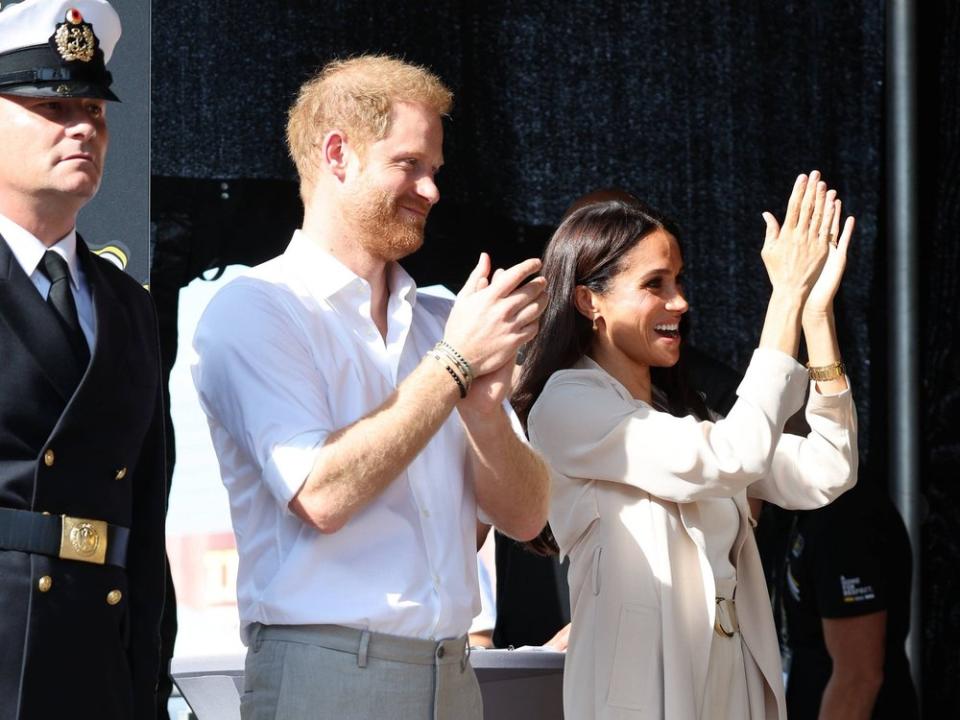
491 318
820 299
795 252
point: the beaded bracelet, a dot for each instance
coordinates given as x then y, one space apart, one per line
458 381
460 360
461 385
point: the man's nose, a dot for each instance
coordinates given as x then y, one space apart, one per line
79 124
428 190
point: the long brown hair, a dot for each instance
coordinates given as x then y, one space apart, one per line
588 249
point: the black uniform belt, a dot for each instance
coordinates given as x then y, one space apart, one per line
62 536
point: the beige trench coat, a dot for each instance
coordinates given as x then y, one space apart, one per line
625 484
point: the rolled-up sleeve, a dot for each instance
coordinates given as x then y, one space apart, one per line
259 384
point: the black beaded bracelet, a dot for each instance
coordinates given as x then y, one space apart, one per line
461 361
456 378
461 386
444 351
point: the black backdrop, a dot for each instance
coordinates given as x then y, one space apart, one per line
705 109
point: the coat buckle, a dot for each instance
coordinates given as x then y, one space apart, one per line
725 621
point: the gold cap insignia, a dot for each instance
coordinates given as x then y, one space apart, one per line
74 38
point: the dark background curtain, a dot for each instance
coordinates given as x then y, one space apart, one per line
939 348
707 110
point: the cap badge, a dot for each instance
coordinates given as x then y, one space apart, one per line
74 38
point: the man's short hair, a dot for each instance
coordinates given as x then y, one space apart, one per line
356 96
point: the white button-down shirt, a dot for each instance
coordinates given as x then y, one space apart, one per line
28 250
288 353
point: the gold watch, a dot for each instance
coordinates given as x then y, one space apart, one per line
825 373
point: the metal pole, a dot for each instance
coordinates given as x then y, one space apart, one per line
902 238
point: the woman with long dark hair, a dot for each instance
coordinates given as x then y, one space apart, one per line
649 494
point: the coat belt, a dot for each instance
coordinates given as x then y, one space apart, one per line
63 536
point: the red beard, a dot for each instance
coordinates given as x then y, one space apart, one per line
386 231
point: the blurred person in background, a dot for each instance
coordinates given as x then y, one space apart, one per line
846 611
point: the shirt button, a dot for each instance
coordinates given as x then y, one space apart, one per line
49 458
113 597
45 583
425 513
121 474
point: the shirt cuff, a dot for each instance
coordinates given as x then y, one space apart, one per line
828 399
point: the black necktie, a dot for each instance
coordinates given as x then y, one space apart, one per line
60 298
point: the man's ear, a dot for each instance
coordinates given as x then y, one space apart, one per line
335 153
586 301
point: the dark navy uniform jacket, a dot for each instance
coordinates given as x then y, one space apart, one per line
76 639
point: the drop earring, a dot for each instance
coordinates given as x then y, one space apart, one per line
594 323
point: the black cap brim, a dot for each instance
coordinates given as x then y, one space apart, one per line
61 89
37 71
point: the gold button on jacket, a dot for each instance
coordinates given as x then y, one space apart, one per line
113 597
48 458
45 583
121 473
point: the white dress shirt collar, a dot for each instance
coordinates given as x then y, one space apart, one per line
29 250
327 277
330 282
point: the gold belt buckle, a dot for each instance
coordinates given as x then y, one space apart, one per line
83 539
725 621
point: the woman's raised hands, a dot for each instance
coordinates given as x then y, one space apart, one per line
795 252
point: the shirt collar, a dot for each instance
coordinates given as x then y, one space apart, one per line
402 284
28 250
327 276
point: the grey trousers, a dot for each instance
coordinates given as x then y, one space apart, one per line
309 672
